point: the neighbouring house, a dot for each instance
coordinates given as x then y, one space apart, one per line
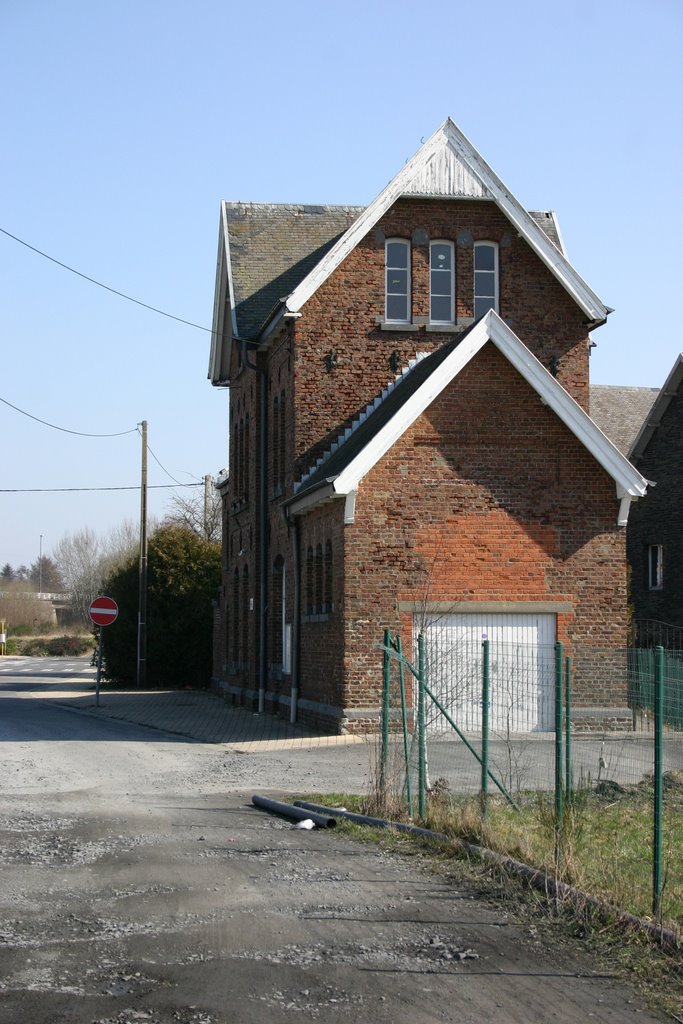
410 444
655 532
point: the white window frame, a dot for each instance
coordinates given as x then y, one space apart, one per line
406 244
655 566
494 246
432 268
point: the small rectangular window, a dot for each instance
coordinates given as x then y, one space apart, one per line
441 283
397 267
485 278
655 567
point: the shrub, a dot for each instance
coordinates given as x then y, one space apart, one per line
183 573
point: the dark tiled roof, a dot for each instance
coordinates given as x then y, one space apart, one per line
272 248
548 223
621 412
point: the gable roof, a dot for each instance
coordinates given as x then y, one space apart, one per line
338 473
654 417
272 258
448 166
619 411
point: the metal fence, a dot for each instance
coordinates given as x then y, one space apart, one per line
534 728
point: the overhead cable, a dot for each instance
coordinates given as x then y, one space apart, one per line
65 430
114 291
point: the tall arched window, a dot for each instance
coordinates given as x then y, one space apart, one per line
485 278
328 591
310 582
397 280
283 441
277 616
275 444
235 645
245 615
246 457
318 579
441 283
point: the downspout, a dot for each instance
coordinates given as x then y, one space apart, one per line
293 524
263 511
263 539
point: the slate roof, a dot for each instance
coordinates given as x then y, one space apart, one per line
621 412
272 248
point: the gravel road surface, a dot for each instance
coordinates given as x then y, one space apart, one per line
141 885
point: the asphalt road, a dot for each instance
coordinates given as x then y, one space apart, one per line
140 884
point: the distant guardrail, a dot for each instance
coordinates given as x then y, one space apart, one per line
32 595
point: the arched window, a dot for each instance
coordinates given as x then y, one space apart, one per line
318 579
397 280
310 582
283 441
441 283
485 278
245 615
277 612
328 602
245 457
235 645
275 444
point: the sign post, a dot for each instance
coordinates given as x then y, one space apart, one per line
103 612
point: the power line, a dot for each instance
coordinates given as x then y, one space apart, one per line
79 433
106 287
170 475
53 490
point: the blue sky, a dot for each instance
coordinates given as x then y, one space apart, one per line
124 125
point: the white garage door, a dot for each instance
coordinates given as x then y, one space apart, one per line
522 667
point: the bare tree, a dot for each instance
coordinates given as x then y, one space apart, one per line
80 559
201 513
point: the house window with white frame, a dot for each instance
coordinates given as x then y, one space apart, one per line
655 566
485 278
397 276
441 283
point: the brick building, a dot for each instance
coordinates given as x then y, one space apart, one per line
655 531
409 439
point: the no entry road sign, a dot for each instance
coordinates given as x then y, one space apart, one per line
103 611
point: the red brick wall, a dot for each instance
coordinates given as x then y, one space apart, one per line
488 497
340 317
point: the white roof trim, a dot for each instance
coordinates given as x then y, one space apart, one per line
491 328
449 136
221 343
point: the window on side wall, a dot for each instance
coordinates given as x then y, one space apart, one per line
655 567
397 276
441 283
485 278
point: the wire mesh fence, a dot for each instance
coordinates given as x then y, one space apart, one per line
593 739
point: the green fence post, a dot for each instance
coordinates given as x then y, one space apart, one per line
421 722
659 729
404 718
384 752
558 747
485 690
567 729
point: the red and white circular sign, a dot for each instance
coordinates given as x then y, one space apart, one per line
103 611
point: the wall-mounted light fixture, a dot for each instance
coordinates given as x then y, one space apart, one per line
331 361
394 362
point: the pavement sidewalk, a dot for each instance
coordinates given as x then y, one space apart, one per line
198 715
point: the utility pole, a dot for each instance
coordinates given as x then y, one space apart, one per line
208 481
40 566
142 602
